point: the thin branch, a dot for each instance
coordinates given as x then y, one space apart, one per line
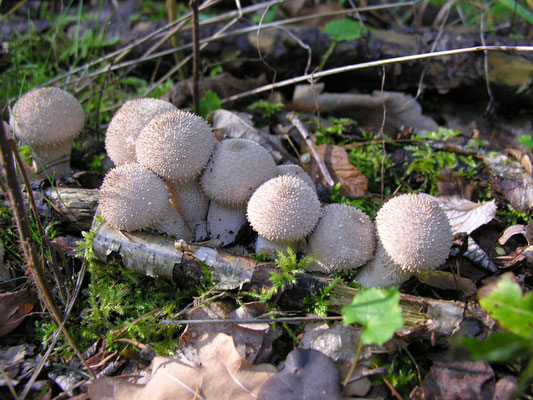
369 64
285 320
193 4
23 225
293 119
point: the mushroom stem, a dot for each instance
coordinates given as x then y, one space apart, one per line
224 221
52 160
192 203
172 224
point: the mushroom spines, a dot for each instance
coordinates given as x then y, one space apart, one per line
296 171
132 197
47 115
175 145
344 238
126 125
284 208
236 168
415 232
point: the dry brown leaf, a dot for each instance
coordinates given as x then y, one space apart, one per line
447 280
14 306
354 183
223 374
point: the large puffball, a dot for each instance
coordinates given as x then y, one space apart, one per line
284 209
133 198
176 145
126 125
344 238
415 232
237 167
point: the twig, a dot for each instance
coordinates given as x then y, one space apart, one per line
23 226
293 119
490 105
353 67
285 320
193 4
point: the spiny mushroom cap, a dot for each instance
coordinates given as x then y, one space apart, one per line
46 116
296 171
284 208
176 145
132 197
381 272
126 125
344 238
235 170
415 232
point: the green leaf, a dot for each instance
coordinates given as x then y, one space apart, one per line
378 311
509 308
344 29
497 347
209 102
526 140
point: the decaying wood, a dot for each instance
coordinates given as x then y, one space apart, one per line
182 263
74 206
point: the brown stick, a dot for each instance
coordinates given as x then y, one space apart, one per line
23 225
196 55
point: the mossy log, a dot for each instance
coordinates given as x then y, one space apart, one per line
184 264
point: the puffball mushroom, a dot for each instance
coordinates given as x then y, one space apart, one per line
296 171
236 168
284 209
344 238
176 145
126 125
415 232
414 236
133 198
48 119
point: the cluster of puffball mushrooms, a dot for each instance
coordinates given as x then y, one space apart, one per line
173 177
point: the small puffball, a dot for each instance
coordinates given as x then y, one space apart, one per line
236 168
415 232
126 125
344 238
284 209
176 145
133 198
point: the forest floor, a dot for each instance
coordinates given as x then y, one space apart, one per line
372 101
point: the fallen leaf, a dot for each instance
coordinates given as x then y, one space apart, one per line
459 380
465 215
223 374
14 306
354 183
306 374
447 280
249 339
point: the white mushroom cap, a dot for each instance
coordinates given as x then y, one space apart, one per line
133 198
176 145
284 209
126 125
296 171
344 238
415 232
236 168
224 222
48 119
381 272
